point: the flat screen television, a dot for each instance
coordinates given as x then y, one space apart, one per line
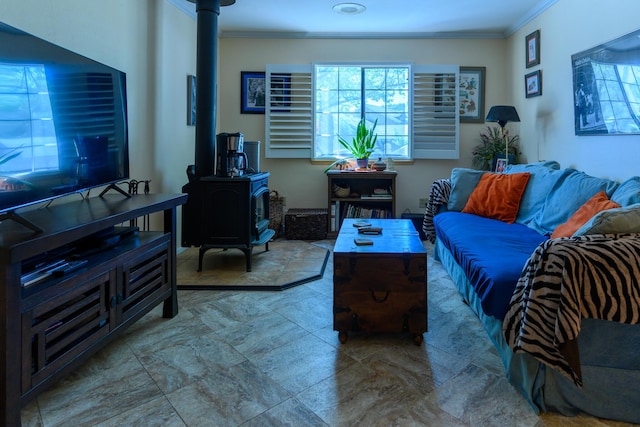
63 122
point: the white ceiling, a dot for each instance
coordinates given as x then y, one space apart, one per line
393 18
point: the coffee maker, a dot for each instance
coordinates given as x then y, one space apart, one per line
232 161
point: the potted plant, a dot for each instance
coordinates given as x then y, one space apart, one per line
9 155
360 147
363 144
492 147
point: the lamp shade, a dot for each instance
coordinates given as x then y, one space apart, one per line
502 114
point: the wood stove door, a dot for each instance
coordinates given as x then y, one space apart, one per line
260 212
225 221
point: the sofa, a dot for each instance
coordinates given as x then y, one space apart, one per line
549 261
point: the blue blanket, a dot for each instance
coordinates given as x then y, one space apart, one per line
493 265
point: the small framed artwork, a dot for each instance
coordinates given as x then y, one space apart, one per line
191 100
501 164
532 42
471 94
253 92
533 84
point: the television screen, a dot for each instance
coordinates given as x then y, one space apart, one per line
63 121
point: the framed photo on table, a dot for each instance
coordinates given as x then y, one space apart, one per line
471 94
532 42
501 164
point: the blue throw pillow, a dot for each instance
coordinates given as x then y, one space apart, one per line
463 182
628 193
543 176
570 191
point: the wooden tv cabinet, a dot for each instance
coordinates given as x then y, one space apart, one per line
49 328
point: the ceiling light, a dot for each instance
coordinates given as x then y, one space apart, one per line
222 2
349 8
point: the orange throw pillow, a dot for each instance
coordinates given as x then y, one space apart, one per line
498 196
599 202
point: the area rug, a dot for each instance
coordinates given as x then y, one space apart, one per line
287 263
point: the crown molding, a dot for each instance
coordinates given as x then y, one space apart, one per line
190 10
318 35
536 11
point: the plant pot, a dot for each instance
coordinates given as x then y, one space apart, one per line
362 163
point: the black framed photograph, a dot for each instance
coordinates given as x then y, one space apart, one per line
253 92
471 94
604 92
191 100
532 42
533 84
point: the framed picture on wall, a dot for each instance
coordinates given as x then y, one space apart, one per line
471 94
532 42
191 100
533 84
253 92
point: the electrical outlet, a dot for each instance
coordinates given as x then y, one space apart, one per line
422 202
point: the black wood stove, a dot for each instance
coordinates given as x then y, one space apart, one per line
221 212
227 213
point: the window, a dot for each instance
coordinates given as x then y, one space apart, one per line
26 119
345 94
416 108
618 96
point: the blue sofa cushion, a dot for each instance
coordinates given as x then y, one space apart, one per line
628 193
570 191
492 254
543 177
463 182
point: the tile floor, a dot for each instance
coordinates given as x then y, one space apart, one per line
234 358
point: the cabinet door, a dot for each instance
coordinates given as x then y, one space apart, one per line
145 282
58 330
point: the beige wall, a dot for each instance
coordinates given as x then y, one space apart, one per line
154 43
303 183
546 128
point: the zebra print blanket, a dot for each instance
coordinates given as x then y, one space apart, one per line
568 279
438 195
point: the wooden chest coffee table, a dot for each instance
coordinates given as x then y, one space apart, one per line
380 287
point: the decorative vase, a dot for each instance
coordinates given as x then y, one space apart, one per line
362 163
379 165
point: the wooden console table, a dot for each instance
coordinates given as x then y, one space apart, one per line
49 328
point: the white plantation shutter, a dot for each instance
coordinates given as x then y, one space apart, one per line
289 111
435 114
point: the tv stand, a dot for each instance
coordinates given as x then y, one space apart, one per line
86 308
116 188
12 215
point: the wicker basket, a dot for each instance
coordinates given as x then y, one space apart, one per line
276 213
306 224
341 191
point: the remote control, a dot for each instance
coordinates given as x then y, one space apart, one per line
69 267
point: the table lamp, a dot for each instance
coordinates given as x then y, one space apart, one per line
503 114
